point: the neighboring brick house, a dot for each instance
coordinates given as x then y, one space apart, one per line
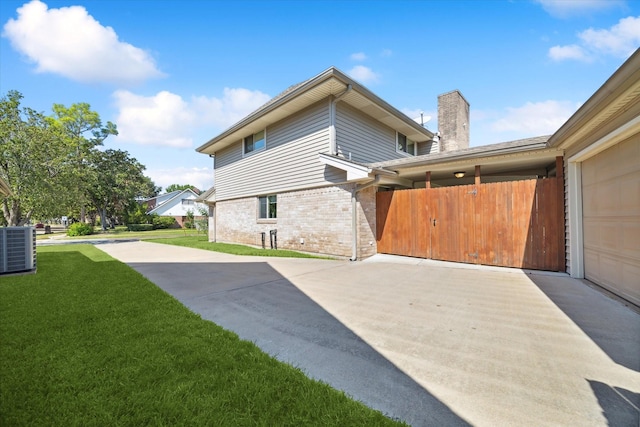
298 165
176 204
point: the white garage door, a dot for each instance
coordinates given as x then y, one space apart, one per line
611 210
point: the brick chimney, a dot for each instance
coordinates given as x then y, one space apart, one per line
453 121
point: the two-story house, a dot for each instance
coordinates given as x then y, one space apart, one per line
298 165
337 170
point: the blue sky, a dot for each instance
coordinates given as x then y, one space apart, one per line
172 74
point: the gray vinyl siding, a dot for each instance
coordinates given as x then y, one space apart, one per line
366 139
428 147
289 162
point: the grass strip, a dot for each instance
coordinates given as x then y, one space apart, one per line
202 242
89 341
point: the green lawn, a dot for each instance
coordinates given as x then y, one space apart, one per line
121 232
88 341
201 242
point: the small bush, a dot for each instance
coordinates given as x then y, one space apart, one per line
140 227
79 229
163 222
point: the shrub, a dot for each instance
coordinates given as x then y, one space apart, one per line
189 222
140 227
163 222
137 214
79 229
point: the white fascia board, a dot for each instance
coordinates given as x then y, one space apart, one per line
354 171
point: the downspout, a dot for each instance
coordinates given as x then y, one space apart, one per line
354 215
333 147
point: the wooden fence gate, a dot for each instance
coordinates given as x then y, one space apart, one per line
510 224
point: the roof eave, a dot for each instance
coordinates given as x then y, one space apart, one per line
469 154
210 146
624 79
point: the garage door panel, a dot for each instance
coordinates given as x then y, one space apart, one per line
592 259
589 177
609 236
610 270
611 218
591 233
630 185
630 238
631 274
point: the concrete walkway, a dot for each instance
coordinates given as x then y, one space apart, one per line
430 343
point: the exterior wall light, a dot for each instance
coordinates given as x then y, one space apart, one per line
458 174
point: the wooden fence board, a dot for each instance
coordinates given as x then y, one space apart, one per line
511 224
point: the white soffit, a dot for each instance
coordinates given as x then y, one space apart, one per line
623 132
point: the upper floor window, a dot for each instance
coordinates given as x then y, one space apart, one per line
268 207
188 202
255 142
405 145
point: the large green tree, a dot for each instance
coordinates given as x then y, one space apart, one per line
175 187
115 180
33 162
82 130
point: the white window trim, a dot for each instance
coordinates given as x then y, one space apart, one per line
251 153
415 146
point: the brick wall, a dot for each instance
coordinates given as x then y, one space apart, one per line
321 217
367 223
453 121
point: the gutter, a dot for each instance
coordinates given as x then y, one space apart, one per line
354 215
333 147
626 74
500 149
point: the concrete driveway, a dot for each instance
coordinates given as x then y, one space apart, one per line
430 343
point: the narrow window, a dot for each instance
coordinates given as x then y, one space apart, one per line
255 142
405 145
268 207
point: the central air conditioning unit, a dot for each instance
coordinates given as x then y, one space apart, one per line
17 250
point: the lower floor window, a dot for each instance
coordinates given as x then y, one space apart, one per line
268 207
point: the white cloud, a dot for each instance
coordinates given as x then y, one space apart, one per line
202 178
163 119
359 56
364 74
70 42
560 53
535 118
568 8
234 105
166 119
386 52
621 41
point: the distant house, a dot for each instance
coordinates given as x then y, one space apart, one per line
331 168
176 204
